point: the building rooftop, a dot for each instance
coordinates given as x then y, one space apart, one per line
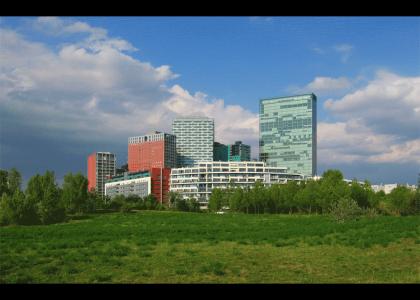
291 96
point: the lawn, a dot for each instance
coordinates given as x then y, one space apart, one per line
176 247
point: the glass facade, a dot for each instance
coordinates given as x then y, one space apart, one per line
194 140
288 133
239 152
220 152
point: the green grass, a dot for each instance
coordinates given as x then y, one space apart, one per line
162 247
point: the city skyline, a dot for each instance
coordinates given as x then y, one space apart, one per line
73 86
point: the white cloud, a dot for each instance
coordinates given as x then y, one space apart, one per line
380 123
93 91
325 84
389 104
345 50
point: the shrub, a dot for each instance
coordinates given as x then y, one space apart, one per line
345 209
127 207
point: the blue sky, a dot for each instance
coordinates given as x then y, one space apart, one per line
360 68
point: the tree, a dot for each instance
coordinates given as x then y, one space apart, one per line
50 208
6 210
193 205
182 205
14 181
117 202
345 209
75 193
3 182
173 198
332 188
150 201
402 200
307 198
216 200
360 194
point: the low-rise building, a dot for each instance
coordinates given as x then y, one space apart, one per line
387 188
142 183
199 181
138 183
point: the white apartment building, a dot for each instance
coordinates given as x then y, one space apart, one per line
199 180
387 188
138 184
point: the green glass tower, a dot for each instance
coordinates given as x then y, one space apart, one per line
288 133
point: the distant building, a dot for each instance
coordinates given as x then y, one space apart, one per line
288 133
199 180
387 188
136 183
154 181
155 150
100 166
239 152
220 152
232 152
194 140
121 170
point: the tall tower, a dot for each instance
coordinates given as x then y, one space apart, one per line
101 165
288 133
194 140
155 150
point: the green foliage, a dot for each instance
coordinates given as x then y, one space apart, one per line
50 208
216 200
75 193
345 209
3 182
403 200
14 181
193 205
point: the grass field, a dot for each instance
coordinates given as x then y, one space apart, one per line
176 247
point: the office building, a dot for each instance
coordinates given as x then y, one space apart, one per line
194 140
220 152
234 152
155 150
288 133
239 152
100 165
199 180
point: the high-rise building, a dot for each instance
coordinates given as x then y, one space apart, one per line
288 133
220 152
155 150
194 140
101 165
239 152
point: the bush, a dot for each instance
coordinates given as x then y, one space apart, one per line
345 209
127 207
117 202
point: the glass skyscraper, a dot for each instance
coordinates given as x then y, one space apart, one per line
288 133
194 140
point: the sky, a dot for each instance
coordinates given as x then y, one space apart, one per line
70 86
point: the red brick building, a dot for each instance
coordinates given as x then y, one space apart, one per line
160 183
156 150
156 153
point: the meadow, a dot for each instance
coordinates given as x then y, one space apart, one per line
180 247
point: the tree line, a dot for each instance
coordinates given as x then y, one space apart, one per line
329 194
45 202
